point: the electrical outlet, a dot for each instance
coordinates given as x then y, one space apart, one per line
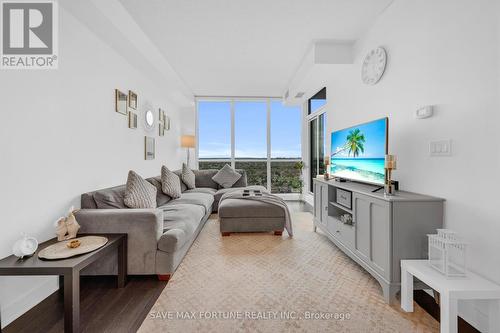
440 148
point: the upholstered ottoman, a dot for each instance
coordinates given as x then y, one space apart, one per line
241 215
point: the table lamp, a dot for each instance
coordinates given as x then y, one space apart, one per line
389 165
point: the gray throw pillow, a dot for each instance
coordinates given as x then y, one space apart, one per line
188 177
138 192
226 177
170 183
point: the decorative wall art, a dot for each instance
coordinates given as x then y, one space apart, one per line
149 148
120 102
161 123
132 120
132 100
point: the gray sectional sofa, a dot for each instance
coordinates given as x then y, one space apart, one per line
158 239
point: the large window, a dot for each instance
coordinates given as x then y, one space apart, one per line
261 136
214 130
317 135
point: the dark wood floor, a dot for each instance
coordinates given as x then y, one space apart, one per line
104 308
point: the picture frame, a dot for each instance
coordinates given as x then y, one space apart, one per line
161 122
166 123
121 100
132 120
132 100
149 148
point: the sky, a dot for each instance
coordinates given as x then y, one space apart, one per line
214 123
374 139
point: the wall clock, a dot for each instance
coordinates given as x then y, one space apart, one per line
374 66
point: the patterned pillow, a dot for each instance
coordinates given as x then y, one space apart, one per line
226 177
138 192
188 177
170 183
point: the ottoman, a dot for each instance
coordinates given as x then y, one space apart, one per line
241 215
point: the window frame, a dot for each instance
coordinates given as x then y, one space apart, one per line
232 160
308 119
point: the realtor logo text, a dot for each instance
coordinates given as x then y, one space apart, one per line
29 35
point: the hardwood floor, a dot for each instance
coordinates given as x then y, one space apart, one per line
104 308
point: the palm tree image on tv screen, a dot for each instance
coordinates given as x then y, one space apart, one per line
358 152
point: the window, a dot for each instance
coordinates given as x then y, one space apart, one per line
317 101
250 130
214 130
261 136
286 149
317 135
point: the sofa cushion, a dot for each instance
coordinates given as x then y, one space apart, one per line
183 186
161 198
195 198
170 183
180 223
204 178
138 192
242 182
110 198
226 177
188 177
206 190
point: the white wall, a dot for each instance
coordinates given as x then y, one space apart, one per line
61 137
444 53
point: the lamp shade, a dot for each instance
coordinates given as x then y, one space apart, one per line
188 141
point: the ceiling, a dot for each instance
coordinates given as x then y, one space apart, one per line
246 47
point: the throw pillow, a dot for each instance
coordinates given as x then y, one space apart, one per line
170 183
138 192
188 177
226 177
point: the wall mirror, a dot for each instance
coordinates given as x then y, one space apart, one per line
149 118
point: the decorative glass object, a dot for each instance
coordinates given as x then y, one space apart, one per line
447 253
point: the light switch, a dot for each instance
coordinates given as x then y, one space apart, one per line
440 148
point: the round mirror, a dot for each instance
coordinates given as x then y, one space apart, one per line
149 120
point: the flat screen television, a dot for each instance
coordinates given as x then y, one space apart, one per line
358 152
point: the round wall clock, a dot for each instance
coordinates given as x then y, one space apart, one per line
374 66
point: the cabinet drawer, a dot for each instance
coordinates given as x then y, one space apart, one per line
343 232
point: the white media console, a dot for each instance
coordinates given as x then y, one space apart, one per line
381 230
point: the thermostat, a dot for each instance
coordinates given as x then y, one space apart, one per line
425 112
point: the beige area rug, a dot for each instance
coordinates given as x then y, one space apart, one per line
266 283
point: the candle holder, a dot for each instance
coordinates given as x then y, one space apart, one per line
327 168
389 165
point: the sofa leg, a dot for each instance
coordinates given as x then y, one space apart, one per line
224 233
278 233
164 277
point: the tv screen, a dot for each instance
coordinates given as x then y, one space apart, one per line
358 152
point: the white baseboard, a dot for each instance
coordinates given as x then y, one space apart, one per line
27 299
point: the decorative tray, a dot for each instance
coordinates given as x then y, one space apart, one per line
61 250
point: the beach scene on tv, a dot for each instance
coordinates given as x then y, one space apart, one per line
358 152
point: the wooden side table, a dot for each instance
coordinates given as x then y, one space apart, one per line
68 271
451 290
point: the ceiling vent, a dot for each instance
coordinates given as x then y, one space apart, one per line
299 94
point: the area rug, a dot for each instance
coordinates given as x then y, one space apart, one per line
265 283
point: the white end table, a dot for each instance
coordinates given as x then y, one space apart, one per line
451 290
